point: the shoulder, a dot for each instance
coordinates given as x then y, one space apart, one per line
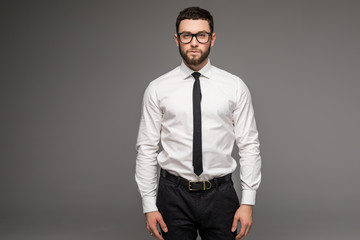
173 74
161 83
224 75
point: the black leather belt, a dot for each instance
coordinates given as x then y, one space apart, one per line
196 185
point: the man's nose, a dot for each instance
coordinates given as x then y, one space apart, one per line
194 42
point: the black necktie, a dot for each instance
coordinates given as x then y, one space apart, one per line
197 145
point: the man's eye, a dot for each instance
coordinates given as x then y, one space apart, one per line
202 35
186 35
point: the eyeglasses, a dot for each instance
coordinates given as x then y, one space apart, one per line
201 37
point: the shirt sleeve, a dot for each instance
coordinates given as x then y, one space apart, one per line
147 146
246 136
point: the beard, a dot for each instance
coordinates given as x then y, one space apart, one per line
194 61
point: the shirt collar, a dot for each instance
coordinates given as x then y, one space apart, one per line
186 71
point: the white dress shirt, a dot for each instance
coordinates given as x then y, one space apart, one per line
227 115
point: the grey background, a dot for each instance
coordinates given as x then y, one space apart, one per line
72 78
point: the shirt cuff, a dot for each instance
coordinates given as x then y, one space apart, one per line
149 204
248 197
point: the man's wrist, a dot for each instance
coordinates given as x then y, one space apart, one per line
247 206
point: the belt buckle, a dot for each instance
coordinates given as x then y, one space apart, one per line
207 188
204 185
190 189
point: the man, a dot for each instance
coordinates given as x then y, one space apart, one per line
198 111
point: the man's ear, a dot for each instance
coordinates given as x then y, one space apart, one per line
213 37
176 39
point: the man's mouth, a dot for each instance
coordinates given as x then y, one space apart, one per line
194 52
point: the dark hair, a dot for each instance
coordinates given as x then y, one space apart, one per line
195 13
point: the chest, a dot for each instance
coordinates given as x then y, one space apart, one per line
218 100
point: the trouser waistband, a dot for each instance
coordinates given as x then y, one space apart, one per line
196 185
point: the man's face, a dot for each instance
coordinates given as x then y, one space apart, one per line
195 54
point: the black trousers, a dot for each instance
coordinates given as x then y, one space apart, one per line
186 213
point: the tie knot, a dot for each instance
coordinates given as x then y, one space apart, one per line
196 75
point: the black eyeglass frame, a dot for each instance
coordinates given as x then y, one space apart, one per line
194 35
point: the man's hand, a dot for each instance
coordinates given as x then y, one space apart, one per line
152 219
244 215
